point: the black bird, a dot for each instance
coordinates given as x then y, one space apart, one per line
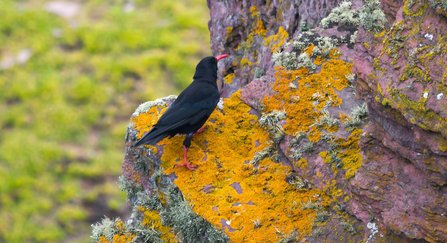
190 110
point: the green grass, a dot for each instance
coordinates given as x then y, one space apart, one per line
63 114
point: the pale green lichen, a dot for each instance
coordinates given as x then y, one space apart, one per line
310 205
277 59
269 122
289 60
326 136
106 228
298 182
350 77
372 17
308 147
296 154
141 166
259 72
126 186
441 3
327 119
357 115
353 36
260 155
317 232
341 14
325 45
348 227
189 226
322 216
305 61
257 223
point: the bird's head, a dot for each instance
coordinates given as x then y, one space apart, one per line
207 67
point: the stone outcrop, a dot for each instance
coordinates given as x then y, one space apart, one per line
332 128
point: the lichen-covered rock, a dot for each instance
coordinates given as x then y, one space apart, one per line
329 132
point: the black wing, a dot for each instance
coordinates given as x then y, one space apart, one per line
192 106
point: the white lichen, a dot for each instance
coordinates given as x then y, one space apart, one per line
428 36
146 106
269 121
220 105
305 61
277 59
439 96
341 14
350 77
353 36
289 60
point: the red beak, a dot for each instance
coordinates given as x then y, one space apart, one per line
221 56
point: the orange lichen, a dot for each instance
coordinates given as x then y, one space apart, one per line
319 60
301 115
144 122
222 153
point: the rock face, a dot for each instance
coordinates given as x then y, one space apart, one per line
328 132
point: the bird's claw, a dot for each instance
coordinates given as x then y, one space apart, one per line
188 165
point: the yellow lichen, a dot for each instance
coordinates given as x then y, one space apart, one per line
274 42
419 8
229 78
151 219
222 153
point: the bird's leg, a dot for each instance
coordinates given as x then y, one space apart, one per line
185 163
186 145
200 130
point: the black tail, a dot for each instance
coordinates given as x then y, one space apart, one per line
152 137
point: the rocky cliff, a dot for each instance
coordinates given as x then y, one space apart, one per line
332 128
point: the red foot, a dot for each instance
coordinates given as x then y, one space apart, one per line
185 163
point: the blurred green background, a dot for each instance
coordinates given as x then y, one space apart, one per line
71 74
